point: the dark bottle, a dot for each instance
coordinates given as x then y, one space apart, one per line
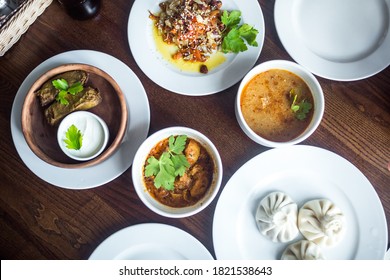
81 9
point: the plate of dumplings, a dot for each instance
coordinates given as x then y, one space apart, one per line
299 203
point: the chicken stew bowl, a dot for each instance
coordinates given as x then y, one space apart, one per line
61 91
177 172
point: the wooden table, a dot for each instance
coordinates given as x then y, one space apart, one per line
41 221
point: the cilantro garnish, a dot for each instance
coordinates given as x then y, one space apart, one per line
171 163
74 138
64 90
300 108
234 35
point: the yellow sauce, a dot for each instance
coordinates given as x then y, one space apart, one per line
167 50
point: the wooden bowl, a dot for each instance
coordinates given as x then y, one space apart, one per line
41 137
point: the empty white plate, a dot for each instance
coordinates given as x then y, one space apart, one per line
151 242
338 40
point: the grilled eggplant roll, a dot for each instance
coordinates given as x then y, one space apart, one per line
47 93
84 100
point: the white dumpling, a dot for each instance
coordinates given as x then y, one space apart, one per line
276 217
322 222
302 250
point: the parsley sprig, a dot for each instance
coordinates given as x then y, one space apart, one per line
64 89
171 163
74 138
235 35
300 108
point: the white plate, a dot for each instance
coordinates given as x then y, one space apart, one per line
387 255
339 40
151 242
143 48
121 160
304 173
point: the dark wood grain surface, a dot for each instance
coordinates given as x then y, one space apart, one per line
41 221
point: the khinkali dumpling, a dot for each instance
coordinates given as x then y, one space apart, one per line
321 221
276 217
302 250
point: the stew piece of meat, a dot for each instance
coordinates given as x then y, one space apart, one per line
193 185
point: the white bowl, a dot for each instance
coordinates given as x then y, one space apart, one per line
141 157
305 75
95 135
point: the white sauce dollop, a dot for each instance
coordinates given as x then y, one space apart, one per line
95 135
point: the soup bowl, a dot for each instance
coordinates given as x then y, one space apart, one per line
279 86
140 179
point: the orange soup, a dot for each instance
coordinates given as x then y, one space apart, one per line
272 104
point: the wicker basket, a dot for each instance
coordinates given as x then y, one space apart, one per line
20 21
